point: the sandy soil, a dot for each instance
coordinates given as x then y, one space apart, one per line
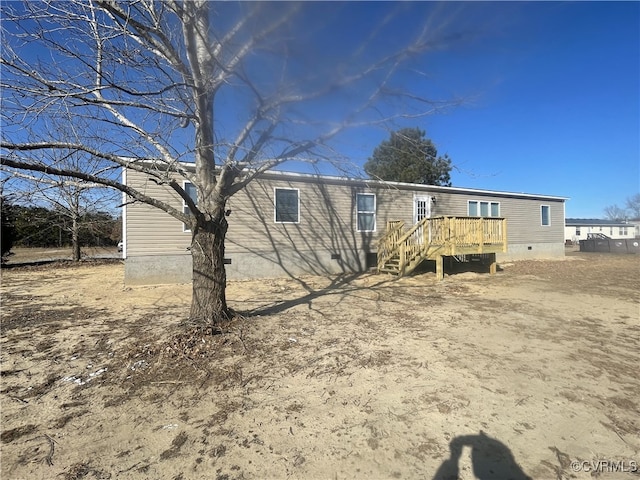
512 376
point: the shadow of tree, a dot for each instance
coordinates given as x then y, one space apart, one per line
327 228
490 458
341 285
325 241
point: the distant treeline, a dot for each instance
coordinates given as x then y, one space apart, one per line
41 227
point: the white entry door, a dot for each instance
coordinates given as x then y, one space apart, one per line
421 209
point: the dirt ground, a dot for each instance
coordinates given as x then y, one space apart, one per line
531 373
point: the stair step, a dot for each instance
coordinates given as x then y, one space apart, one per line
389 270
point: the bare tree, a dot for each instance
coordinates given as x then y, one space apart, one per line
7 232
614 212
633 206
74 200
630 210
232 88
77 204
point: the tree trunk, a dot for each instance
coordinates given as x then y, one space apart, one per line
209 302
75 241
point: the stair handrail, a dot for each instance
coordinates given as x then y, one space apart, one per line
406 249
434 231
388 245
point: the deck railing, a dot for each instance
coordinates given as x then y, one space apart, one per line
475 232
438 236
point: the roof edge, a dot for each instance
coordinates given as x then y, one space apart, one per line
382 183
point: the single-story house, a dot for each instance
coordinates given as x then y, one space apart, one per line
291 224
577 229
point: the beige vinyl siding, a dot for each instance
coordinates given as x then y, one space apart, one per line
323 219
522 214
151 231
524 222
394 205
327 217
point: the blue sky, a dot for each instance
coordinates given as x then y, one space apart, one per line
550 91
552 101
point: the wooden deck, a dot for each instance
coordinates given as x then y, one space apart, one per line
400 251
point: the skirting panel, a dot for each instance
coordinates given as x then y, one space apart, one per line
167 269
532 251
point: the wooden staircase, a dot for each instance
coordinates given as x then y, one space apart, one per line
400 251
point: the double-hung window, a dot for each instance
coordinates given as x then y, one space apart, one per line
287 205
190 189
545 215
366 212
483 209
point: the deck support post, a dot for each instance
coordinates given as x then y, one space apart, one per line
493 267
439 267
504 235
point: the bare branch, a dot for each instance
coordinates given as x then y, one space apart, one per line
133 193
153 37
216 94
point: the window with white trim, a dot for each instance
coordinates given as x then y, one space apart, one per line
366 212
545 215
477 208
190 189
622 231
287 205
577 231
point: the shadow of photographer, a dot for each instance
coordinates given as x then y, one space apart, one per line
490 459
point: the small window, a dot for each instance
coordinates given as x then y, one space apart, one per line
287 206
622 231
545 217
190 190
366 212
483 209
577 231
